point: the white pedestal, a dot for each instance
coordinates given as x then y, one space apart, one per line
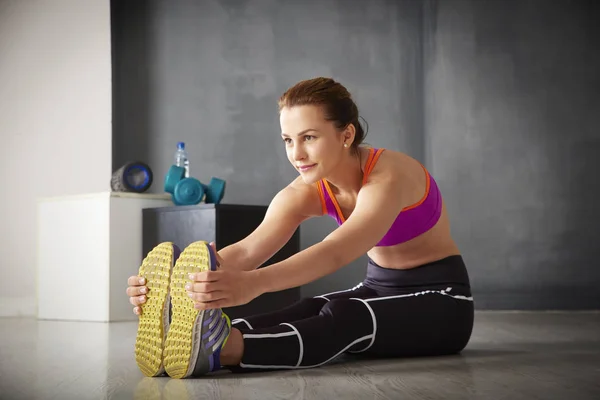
88 245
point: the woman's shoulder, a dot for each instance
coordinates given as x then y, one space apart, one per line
398 172
305 196
391 163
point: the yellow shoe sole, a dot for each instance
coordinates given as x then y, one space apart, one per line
181 346
154 321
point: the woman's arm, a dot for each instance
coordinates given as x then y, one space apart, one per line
288 209
377 205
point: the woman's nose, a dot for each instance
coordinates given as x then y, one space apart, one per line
298 153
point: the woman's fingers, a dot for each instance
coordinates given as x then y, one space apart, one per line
202 287
137 300
136 291
204 297
135 281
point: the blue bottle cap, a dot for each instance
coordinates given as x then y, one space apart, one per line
181 145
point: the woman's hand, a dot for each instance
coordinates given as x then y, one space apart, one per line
136 292
226 287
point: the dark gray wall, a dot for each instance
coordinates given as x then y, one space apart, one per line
498 98
513 123
210 72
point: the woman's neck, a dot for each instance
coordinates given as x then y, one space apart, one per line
348 175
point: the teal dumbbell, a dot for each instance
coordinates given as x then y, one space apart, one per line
190 191
174 175
184 191
215 190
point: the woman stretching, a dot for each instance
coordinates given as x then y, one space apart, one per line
415 299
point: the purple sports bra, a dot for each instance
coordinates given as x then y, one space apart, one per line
412 221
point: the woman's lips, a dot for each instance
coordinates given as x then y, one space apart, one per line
304 168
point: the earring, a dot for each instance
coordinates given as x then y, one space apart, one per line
345 144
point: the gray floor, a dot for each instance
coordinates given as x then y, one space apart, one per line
511 355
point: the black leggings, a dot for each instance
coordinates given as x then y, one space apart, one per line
421 311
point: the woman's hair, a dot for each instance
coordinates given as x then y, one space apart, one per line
334 99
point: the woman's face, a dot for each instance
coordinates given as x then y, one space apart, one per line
313 145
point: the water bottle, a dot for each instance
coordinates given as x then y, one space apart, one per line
181 158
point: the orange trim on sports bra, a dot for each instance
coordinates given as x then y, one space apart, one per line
368 164
371 161
427 187
373 157
322 196
334 201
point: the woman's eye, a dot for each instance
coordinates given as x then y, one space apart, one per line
308 137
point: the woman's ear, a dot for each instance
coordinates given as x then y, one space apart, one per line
348 135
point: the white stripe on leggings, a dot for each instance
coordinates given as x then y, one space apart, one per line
300 342
442 292
323 296
235 321
267 335
374 326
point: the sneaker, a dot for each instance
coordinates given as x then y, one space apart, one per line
153 324
195 337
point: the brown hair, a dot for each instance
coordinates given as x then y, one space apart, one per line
337 103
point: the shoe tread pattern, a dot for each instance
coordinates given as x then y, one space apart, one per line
179 346
156 269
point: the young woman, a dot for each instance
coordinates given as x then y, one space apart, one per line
414 301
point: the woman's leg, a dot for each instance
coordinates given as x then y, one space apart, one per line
304 308
430 322
424 323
